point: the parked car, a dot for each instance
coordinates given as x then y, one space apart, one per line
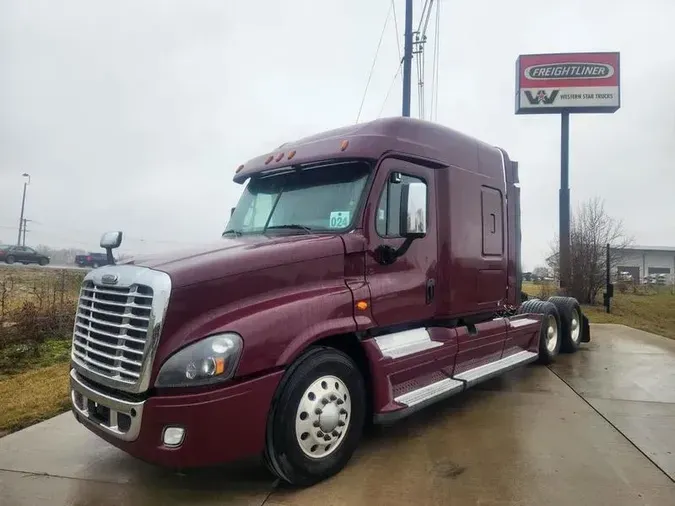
22 254
91 260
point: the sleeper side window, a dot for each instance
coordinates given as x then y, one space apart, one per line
388 214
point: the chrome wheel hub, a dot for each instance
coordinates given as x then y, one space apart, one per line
575 326
551 333
323 417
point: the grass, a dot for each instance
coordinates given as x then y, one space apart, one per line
33 396
37 308
651 310
15 359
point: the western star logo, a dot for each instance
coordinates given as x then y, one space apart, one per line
541 97
550 71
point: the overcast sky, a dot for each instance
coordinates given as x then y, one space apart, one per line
133 115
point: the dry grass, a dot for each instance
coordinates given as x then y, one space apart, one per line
37 309
645 308
37 285
33 396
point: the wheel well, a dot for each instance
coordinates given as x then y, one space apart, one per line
350 345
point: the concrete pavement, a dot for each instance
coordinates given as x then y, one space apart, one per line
597 428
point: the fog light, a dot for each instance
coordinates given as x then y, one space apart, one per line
173 436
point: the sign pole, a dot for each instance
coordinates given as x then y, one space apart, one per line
564 201
564 84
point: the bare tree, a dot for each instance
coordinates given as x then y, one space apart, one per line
540 271
591 229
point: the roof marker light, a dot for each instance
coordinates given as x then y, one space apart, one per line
269 159
239 169
291 154
279 157
344 145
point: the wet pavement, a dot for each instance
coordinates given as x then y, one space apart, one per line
597 427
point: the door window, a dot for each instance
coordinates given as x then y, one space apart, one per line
387 219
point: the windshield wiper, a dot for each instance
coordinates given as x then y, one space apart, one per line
291 226
232 231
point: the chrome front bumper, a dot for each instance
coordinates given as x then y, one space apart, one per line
119 418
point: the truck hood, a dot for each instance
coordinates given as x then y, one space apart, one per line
231 256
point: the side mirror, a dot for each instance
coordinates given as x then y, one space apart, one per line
110 241
413 210
232 211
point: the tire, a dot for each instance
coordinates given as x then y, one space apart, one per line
296 448
570 322
550 331
95 265
43 261
10 259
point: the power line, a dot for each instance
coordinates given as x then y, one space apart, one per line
398 41
372 67
391 86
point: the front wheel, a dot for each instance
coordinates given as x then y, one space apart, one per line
317 417
10 259
44 261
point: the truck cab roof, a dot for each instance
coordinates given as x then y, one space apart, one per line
437 145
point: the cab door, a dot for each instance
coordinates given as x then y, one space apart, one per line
403 291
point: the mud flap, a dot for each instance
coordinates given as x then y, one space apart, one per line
585 329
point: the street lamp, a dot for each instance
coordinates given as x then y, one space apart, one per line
23 204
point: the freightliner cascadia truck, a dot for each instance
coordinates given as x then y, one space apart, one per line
365 273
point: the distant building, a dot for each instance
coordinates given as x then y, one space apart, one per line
646 264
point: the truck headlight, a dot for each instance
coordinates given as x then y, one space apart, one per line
208 361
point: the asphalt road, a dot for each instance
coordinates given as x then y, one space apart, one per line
597 428
50 266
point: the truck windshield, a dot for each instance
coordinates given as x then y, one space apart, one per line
315 198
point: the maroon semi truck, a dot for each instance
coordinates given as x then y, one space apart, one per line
365 273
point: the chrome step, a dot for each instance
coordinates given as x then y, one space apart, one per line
430 394
407 342
447 385
488 371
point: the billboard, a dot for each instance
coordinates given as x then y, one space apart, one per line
567 82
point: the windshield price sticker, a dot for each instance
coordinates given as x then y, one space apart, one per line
339 219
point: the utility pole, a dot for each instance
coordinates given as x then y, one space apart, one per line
407 57
23 205
25 221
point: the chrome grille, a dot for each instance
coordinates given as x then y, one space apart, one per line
111 330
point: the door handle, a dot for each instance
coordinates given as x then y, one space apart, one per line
494 223
431 290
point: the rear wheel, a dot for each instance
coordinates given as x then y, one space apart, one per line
317 417
549 333
10 259
570 322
